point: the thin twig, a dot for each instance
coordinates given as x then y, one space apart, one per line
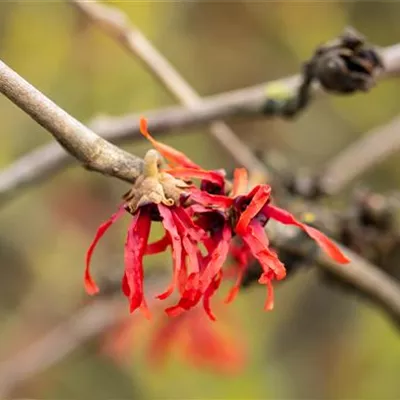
369 280
47 160
86 323
116 24
59 342
90 149
363 154
364 277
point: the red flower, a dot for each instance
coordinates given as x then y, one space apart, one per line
253 212
198 276
221 217
200 342
151 199
246 215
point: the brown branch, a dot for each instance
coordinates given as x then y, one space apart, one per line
46 161
116 24
364 277
378 286
372 148
86 323
90 149
59 342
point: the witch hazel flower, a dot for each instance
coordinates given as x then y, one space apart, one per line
155 196
202 343
236 226
204 226
192 336
250 213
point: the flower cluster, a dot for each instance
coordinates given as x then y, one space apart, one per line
204 225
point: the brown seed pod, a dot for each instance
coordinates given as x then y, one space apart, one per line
346 64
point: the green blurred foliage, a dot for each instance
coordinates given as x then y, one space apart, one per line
318 343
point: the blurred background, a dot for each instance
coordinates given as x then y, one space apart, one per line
318 342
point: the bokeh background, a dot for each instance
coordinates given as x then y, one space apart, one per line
318 342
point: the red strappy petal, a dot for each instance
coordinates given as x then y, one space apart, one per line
169 225
210 200
158 246
240 182
172 155
191 173
90 285
323 241
135 246
260 198
257 241
212 288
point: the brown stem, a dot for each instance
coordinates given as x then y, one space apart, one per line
47 160
91 150
115 23
372 148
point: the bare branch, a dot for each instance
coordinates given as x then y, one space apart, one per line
59 342
391 61
49 159
90 149
364 277
86 323
115 23
363 154
368 280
